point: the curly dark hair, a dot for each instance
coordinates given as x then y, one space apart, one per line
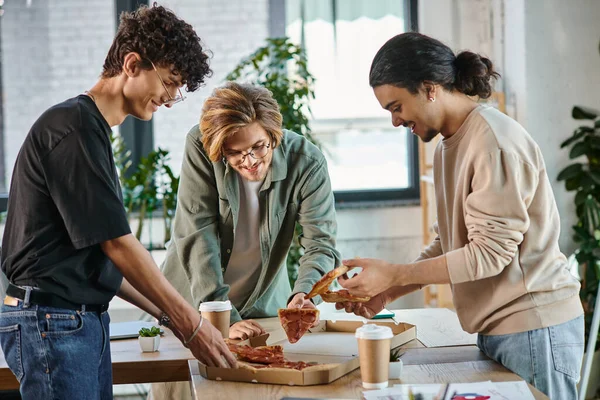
158 35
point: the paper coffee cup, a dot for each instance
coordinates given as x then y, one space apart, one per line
374 344
218 313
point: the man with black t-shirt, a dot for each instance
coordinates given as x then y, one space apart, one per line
67 246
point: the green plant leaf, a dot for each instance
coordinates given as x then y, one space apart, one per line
578 134
580 197
595 175
581 112
572 184
571 171
578 150
395 354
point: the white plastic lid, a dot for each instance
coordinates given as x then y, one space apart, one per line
372 331
215 306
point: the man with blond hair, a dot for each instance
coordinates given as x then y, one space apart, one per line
245 183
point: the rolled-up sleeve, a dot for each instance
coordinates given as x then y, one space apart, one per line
317 219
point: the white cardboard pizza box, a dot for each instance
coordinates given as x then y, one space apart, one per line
330 344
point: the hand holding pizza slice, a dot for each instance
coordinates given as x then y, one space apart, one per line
322 288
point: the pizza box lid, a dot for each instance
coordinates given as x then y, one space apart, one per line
331 344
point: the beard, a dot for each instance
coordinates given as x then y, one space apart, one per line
430 134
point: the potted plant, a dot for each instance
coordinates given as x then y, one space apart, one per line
149 339
150 186
281 67
584 179
395 370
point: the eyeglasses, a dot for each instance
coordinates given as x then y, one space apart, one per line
257 152
172 100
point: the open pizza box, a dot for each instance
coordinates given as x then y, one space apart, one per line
331 345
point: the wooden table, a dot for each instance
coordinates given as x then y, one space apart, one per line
441 364
130 365
421 365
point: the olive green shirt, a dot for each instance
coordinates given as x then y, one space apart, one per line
296 189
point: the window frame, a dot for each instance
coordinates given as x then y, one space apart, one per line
351 198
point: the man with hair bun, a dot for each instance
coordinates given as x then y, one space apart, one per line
497 221
67 247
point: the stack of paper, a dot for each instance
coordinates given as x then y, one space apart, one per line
471 391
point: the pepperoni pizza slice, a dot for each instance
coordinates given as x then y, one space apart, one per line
322 284
296 321
260 355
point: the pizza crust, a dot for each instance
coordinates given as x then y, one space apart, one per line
342 296
322 284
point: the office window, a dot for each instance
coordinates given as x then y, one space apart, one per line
368 158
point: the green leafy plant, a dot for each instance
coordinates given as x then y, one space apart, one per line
395 354
584 179
151 186
281 67
145 332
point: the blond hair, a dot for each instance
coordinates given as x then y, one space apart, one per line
234 106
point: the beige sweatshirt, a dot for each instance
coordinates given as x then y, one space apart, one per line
498 227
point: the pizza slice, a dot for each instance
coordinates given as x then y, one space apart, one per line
341 296
322 284
298 365
260 355
296 321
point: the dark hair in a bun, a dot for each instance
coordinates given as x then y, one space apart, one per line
409 59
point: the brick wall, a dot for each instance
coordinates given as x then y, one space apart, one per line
230 30
51 50
54 49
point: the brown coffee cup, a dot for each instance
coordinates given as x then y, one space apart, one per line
374 344
218 313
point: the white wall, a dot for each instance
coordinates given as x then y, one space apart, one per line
389 233
230 30
562 69
547 53
51 50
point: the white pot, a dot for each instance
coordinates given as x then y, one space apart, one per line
149 344
395 370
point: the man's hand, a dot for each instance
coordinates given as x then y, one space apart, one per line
298 301
376 277
368 309
245 329
209 347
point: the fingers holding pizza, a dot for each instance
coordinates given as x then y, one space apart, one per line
376 277
321 288
366 309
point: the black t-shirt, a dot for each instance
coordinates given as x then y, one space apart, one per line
64 200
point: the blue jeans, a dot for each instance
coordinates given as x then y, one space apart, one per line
549 358
57 353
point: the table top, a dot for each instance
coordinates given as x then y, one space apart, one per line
170 363
421 365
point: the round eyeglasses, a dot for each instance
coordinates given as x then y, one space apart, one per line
258 152
172 100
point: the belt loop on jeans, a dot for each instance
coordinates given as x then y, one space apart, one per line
83 309
28 290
